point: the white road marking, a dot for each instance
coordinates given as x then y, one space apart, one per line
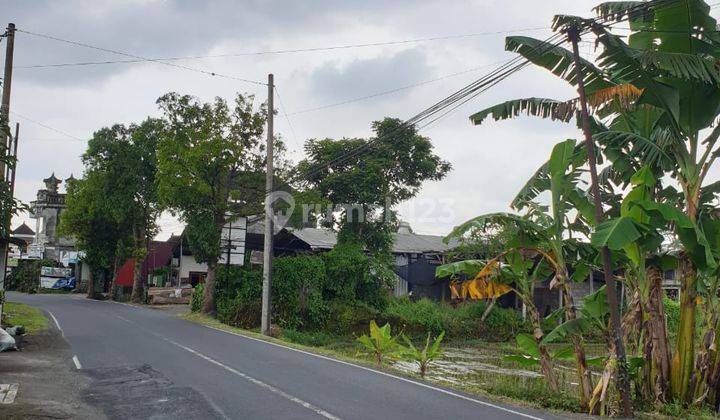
8 392
400 378
390 375
77 362
248 378
258 382
57 324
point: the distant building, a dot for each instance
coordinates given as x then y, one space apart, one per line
47 210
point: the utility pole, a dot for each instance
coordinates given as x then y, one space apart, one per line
622 377
5 120
269 230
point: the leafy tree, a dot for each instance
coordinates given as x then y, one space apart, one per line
369 177
125 156
205 149
87 220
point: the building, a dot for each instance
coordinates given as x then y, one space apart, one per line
47 210
416 257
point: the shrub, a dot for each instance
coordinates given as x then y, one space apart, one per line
379 343
418 317
464 321
297 296
196 298
353 276
26 276
315 338
348 318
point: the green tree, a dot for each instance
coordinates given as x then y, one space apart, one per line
126 157
87 220
389 169
203 152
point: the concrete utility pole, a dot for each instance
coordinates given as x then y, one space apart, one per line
622 376
5 118
269 230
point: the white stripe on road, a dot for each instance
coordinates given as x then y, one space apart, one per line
248 378
400 378
77 362
57 324
258 382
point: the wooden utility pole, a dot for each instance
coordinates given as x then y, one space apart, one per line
269 230
5 136
622 378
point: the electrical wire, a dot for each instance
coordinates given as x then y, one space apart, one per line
463 95
139 58
282 51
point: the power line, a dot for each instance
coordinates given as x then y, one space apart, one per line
273 52
391 91
41 124
465 94
139 58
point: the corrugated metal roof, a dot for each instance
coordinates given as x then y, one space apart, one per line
404 242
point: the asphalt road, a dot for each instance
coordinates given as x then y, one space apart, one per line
242 377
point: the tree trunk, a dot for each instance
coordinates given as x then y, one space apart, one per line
112 292
90 285
584 374
208 305
138 289
546 364
683 360
657 339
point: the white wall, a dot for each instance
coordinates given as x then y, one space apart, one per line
188 264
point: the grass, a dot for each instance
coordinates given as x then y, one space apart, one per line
19 314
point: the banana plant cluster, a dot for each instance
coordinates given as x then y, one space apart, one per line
654 98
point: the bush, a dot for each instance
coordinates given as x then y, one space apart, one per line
196 298
315 339
26 276
297 292
349 318
352 276
418 318
463 322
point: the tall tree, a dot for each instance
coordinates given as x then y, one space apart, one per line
371 176
204 151
87 220
126 158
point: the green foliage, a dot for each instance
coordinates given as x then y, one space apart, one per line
392 168
352 275
461 322
196 298
314 338
380 343
298 292
26 276
423 356
672 316
535 391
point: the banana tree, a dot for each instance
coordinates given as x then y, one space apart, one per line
547 233
652 97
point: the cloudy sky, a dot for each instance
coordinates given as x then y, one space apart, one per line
59 107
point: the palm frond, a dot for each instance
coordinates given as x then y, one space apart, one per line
539 107
650 152
558 60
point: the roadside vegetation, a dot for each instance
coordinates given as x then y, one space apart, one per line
20 314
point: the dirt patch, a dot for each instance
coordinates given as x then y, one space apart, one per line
48 383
